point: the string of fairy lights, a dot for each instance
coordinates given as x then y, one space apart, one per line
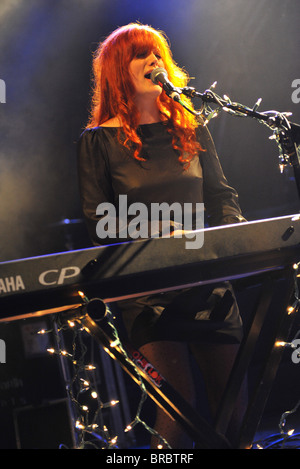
287 438
289 152
90 424
89 420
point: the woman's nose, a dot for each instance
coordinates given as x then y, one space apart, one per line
153 59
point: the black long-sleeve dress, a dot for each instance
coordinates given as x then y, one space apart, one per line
107 170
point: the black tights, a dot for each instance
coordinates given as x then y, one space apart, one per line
172 360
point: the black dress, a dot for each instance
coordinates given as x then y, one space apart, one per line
107 170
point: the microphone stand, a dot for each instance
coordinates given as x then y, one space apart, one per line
285 133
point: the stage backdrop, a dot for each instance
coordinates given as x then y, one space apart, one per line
250 47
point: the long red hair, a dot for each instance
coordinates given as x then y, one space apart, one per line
113 90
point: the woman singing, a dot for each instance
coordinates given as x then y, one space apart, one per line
141 144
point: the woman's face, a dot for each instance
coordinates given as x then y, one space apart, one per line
140 69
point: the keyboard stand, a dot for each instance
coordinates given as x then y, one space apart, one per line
92 316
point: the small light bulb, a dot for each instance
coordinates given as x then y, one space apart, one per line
114 343
85 382
90 367
79 425
280 343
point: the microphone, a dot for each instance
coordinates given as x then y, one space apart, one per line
159 77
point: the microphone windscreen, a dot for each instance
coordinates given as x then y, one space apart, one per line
158 74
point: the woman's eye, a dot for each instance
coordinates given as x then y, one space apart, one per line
142 55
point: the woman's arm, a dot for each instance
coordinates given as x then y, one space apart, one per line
220 200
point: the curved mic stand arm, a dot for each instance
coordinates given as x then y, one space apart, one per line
285 133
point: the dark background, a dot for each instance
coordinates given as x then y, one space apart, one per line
250 47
